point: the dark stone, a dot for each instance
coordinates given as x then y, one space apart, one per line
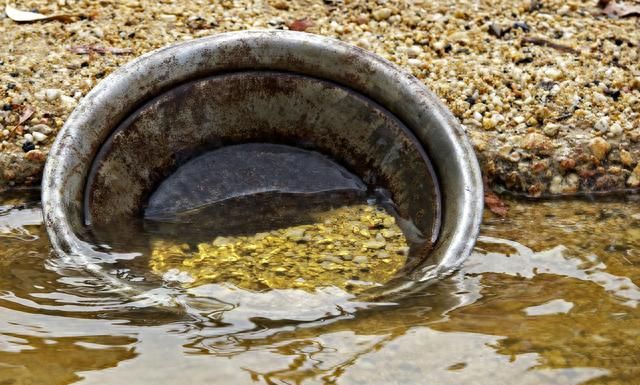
498 31
471 100
547 86
28 146
614 94
525 60
522 25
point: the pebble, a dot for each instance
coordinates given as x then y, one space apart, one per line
626 158
52 94
38 136
28 146
360 259
68 102
536 142
281 5
492 122
295 234
414 51
168 18
222 241
381 14
35 156
28 137
551 129
634 179
42 128
388 233
374 245
616 129
331 258
600 98
602 124
599 147
553 73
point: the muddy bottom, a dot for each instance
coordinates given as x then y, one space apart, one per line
550 296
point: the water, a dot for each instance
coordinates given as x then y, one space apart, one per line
550 296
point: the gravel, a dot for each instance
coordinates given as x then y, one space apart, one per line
549 93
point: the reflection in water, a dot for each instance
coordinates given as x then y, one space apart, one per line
549 297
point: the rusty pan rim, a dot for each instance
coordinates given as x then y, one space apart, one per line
116 96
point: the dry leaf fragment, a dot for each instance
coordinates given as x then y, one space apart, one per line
26 114
613 9
301 24
90 49
495 204
27 17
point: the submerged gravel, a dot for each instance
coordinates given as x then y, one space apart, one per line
548 91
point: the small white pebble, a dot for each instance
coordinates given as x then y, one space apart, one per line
43 128
19 99
477 116
99 33
616 129
40 95
602 124
414 51
551 129
68 101
363 43
28 137
553 73
600 98
52 94
414 62
39 137
439 45
381 14
168 18
377 244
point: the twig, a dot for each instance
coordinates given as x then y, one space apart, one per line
90 49
548 43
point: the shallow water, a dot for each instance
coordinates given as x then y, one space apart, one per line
550 296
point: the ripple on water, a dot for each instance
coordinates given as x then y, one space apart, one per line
549 296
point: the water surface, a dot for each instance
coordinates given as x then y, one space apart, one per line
550 296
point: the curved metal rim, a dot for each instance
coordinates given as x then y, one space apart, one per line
402 94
